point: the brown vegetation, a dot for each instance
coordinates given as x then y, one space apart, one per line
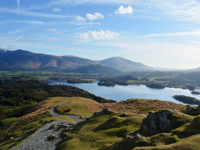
39 111
138 106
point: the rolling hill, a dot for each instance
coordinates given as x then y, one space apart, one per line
123 64
22 60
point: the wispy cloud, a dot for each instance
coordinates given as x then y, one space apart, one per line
57 9
178 9
80 23
54 31
19 38
54 39
18 2
98 35
28 40
29 13
13 32
194 33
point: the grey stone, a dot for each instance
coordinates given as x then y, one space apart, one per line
198 108
156 122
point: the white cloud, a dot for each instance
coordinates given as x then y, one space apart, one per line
122 10
54 31
98 35
78 18
14 32
96 15
57 9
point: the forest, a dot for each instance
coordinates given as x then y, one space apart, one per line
187 99
22 94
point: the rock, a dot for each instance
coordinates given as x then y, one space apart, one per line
106 110
52 126
156 122
124 115
128 137
103 111
139 136
142 139
198 108
68 110
61 127
53 137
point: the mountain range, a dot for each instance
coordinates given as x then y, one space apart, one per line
26 60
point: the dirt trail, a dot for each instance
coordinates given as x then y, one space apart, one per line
75 117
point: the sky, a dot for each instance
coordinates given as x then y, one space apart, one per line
157 33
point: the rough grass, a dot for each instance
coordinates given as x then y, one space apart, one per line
107 131
14 133
180 135
96 132
8 120
80 106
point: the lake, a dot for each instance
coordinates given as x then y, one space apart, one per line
119 92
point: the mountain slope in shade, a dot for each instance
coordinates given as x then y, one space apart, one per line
28 60
124 64
97 69
194 70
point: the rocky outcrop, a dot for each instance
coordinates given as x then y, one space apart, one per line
103 111
198 108
156 122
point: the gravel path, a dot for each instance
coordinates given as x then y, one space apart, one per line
40 140
75 117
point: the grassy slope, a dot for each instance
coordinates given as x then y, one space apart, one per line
100 131
22 129
108 130
8 119
78 106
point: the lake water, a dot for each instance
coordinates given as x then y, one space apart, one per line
119 92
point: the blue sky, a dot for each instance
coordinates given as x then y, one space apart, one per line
156 33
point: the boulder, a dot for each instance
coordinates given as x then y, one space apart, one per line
156 122
198 108
53 137
103 111
68 110
52 126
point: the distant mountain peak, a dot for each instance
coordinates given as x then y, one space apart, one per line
123 64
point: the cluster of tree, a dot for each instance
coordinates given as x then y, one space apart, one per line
195 92
22 93
187 99
109 83
16 92
73 80
113 81
155 85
